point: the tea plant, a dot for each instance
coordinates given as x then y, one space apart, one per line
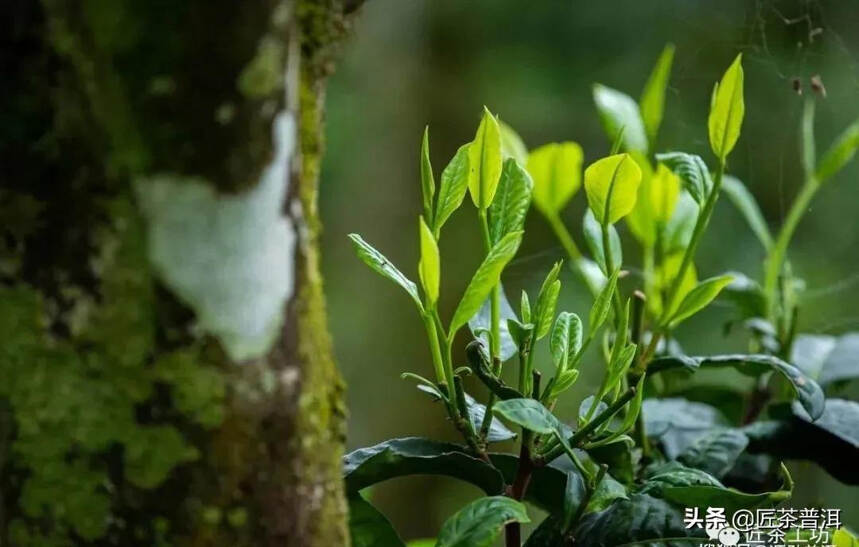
646 445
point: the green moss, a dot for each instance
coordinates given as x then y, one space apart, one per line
264 74
75 399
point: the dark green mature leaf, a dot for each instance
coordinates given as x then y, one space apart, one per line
745 203
832 441
606 493
730 498
827 359
808 392
548 485
639 520
840 152
480 325
528 413
746 294
593 237
368 527
480 522
550 533
485 278
653 97
699 297
670 474
618 456
575 494
417 456
692 171
810 351
677 423
716 453
451 192
498 432
512 199
618 111
384 267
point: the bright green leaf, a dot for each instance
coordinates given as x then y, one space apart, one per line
381 265
563 382
525 307
602 304
611 185
593 238
484 159
480 522
427 180
486 277
512 199
619 112
547 299
692 171
557 172
664 190
566 340
840 153
454 184
429 266
727 111
699 297
512 145
678 231
640 219
745 203
653 97
481 324
665 274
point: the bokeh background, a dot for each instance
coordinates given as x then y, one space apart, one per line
437 62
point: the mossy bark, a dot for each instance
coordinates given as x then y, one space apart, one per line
123 421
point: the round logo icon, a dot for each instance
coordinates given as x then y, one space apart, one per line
729 536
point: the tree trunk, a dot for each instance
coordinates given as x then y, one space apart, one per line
166 374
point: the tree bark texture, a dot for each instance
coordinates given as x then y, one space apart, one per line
166 373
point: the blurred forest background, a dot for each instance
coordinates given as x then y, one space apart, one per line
437 62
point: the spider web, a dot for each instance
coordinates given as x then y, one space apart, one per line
787 40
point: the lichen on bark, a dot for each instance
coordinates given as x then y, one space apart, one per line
121 421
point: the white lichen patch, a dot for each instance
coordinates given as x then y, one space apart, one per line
230 258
